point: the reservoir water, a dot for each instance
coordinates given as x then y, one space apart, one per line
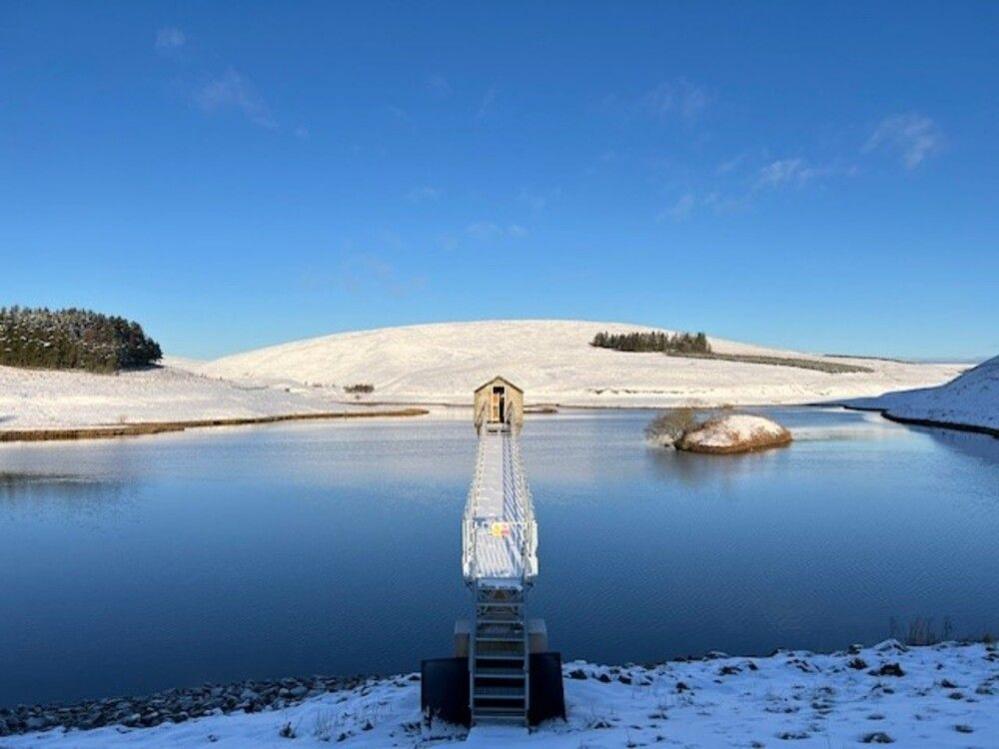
128 566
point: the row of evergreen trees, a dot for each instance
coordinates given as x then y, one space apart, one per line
677 343
72 339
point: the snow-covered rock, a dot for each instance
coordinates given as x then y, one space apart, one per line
735 433
972 399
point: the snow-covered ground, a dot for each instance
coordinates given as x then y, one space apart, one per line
36 399
553 361
427 364
970 399
939 696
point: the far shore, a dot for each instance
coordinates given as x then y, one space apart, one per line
160 427
953 425
404 410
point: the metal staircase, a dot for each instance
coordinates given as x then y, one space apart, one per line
499 655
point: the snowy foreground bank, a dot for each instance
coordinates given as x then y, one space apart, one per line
945 695
971 399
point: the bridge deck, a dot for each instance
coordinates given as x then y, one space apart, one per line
499 545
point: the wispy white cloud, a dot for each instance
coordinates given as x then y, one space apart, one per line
798 172
785 172
486 104
438 86
169 39
424 194
683 207
398 112
233 91
489 230
911 136
730 165
539 200
674 98
367 273
691 202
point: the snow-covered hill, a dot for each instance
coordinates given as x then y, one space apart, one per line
553 361
970 399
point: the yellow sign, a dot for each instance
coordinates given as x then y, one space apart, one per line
500 530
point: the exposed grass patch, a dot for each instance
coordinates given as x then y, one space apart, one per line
781 361
696 346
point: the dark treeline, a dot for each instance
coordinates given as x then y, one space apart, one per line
72 339
677 343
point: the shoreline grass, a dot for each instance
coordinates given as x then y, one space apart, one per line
160 427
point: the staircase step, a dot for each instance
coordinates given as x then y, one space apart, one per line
501 693
500 656
518 718
499 673
512 705
515 621
499 638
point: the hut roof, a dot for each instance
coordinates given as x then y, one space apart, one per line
504 380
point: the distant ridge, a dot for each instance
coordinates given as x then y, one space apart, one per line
554 361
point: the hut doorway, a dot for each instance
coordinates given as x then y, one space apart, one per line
499 404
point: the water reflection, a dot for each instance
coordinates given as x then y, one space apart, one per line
65 492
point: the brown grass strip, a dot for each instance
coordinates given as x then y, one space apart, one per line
159 427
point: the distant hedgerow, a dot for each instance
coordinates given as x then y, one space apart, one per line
361 387
653 340
72 339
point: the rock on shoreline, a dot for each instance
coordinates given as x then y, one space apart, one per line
736 433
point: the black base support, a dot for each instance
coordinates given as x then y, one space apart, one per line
444 689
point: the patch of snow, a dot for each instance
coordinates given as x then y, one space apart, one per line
937 696
735 433
971 399
40 399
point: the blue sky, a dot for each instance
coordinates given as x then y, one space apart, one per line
810 175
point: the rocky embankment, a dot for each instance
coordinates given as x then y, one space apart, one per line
172 705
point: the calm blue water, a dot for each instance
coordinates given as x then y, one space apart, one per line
134 565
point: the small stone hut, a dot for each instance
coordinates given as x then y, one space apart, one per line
498 403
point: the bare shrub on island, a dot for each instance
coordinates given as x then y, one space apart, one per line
668 427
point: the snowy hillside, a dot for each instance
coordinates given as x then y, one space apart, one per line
38 399
554 362
945 695
972 399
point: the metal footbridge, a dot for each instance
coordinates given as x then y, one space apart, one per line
499 561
